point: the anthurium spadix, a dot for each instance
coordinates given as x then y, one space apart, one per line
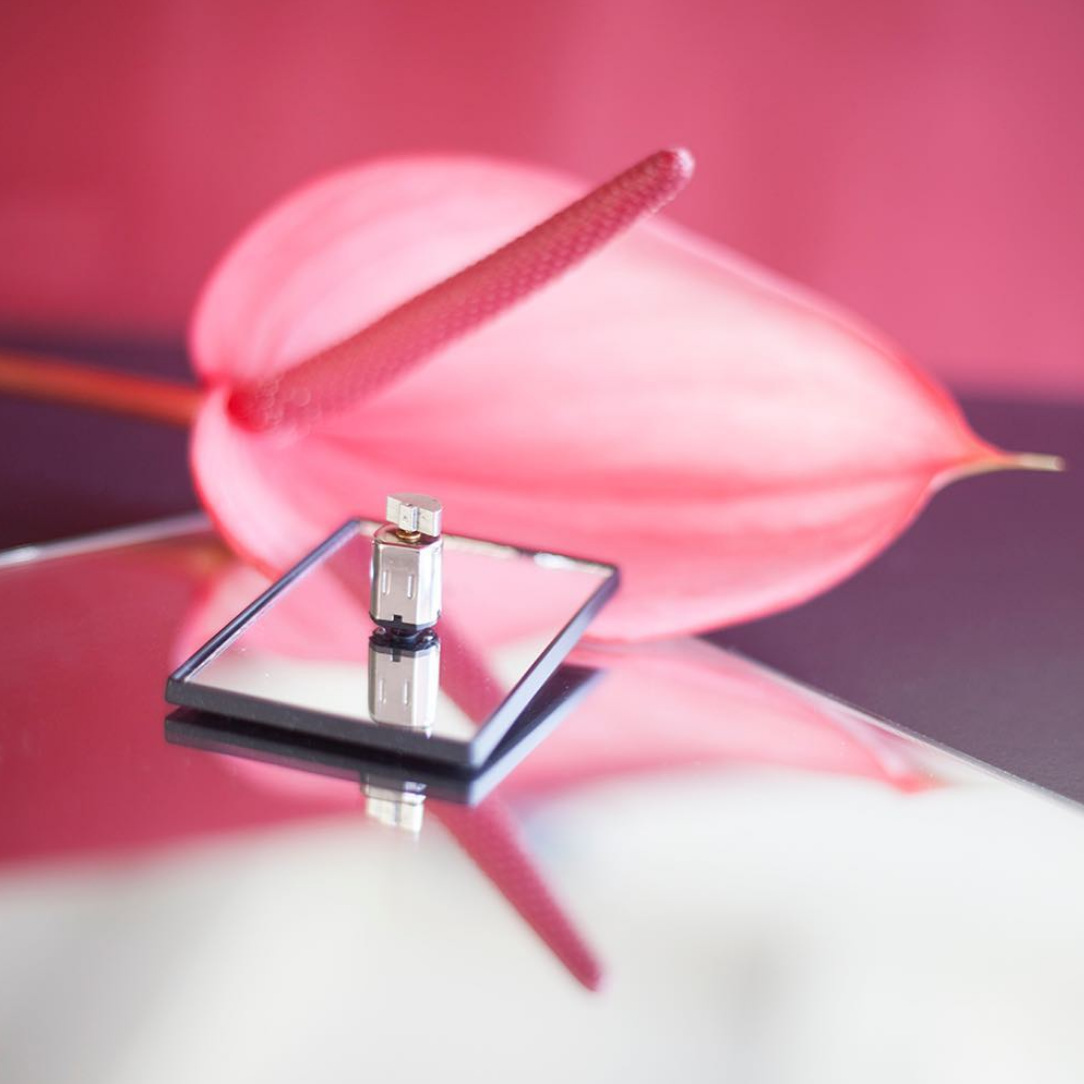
734 443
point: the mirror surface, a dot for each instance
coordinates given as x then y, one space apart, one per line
309 657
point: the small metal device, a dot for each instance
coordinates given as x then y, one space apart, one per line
406 572
404 679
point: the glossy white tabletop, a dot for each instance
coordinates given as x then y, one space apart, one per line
705 873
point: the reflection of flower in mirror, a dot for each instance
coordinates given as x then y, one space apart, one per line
662 705
665 707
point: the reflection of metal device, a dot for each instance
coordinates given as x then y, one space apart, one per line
404 679
406 570
395 807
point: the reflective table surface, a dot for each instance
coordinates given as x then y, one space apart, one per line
705 872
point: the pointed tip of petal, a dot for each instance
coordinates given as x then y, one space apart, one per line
1034 461
991 459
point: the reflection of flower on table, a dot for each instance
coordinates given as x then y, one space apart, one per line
661 707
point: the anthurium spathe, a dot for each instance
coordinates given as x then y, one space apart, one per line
735 444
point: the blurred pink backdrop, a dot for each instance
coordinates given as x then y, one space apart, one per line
919 161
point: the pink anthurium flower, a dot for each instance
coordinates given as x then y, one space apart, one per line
735 444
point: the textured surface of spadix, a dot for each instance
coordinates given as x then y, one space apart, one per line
735 445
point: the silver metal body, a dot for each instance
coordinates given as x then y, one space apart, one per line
407 573
404 682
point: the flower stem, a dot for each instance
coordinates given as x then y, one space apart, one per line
53 380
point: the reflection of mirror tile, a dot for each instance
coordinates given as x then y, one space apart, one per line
300 657
554 700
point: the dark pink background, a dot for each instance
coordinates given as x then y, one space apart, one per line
919 161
